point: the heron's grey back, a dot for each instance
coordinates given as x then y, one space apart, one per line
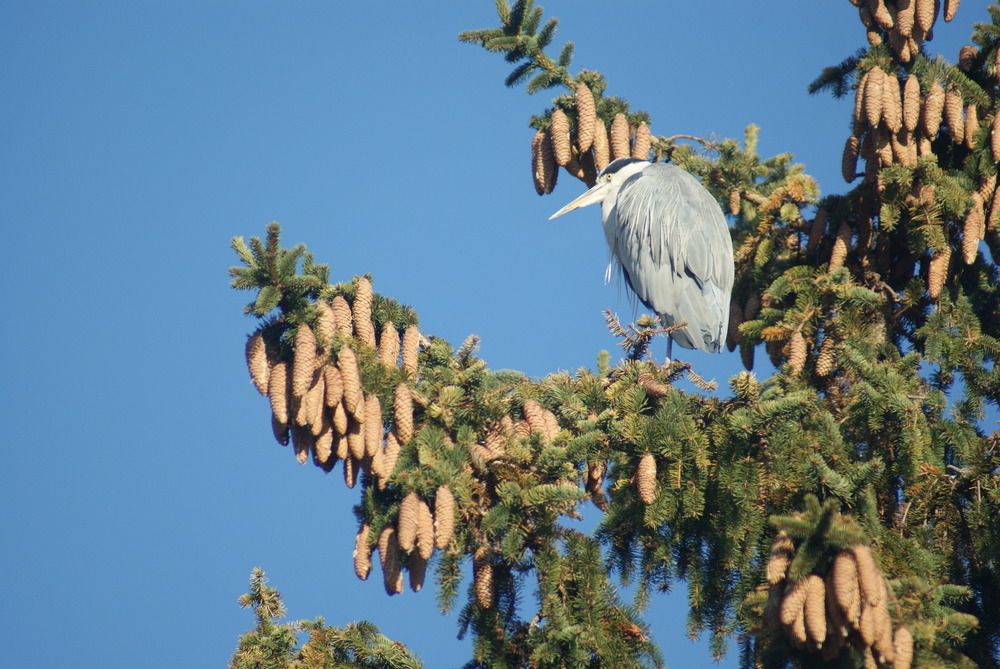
672 241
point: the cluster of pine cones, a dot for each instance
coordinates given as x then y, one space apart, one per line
849 606
418 531
584 147
317 400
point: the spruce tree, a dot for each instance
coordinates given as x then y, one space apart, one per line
842 512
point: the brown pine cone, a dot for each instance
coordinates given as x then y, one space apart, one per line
425 531
782 552
849 160
643 142
932 111
406 525
482 570
388 550
925 13
645 478
362 552
277 391
388 345
621 145
257 364
586 117
444 517
602 151
559 132
973 229
402 407
953 114
326 324
411 348
950 7
342 318
347 362
304 363
937 272
911 103
362 312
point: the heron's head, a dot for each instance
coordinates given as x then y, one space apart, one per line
608 182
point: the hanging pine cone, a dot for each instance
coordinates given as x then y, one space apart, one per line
391 453
277 391
925 13
782 552
933 110
304 364
535 415
388 551
333 386
995 131
417 567
388 345
362 552
814 609
407 523
444 517
973 229
411 348
595 484
537 167
425 531
846 591
643 142
950 7
734 201
324 457
602 152
824 361
402 407
792 604
362 312
280 431
883 17
858 125
849 160
620 140
911 103
796 353
905 17
340 420
326 324
350 471
347 362
903 645
373 425
840 246
645 478
256 356
559 132
953 114
342 318
356 439
653 387
340 445
586 117
937 272
544 169
817 230
971 125
869 577
482 570
874 95
892 103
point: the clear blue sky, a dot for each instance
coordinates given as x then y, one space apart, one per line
138 479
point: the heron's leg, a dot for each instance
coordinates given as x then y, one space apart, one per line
670 349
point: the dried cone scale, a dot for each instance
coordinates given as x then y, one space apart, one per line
257 364
411 348
444 517
407 522
645 478
559 132
620 141
643 142
586 117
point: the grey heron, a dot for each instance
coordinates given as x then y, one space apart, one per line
671 240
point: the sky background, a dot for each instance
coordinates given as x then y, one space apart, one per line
139 482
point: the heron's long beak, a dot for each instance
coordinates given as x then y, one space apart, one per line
595 194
